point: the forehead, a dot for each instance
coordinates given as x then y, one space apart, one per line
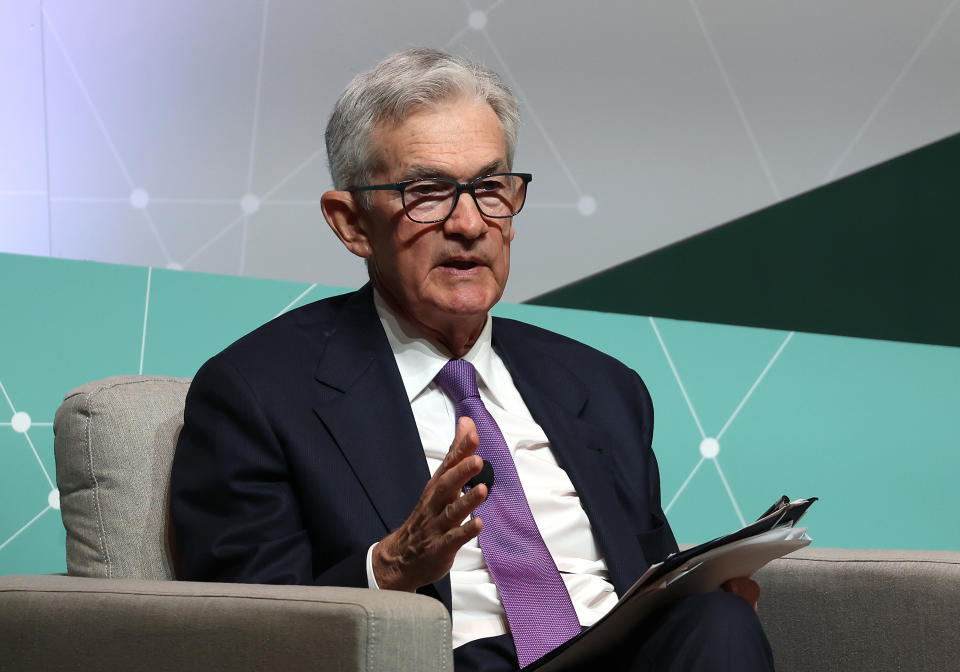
451 139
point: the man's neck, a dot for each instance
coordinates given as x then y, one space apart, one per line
455 338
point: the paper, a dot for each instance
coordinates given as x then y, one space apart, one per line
705 572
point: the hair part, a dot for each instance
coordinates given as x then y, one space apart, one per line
393 90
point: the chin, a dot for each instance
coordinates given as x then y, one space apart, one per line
473 301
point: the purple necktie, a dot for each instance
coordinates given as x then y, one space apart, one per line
536 601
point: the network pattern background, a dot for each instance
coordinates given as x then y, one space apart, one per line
743 415
189 135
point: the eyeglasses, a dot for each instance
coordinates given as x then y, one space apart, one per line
432 200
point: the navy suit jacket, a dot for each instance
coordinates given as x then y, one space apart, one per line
299 449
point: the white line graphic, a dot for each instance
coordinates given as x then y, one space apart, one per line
736 101
195 201
763 373
90 199
103 129
676 374
7 397
256 103
835 169
533 115
294 302
229 227
146 311
46 474
726 485
684 485
87 98
456 37
46 133
293 173
203 248
245 232
22 529
313 202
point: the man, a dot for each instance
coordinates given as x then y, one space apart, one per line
334 445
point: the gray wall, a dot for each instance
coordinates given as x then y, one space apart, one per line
132 131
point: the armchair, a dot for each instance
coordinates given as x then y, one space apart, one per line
119 608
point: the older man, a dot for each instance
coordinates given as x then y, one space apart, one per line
334 445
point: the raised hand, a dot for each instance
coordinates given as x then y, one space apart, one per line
422 549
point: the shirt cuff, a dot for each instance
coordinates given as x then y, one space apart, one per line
371 579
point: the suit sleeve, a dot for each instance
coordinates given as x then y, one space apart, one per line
234 508
659 541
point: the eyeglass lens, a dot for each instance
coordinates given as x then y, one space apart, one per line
432 200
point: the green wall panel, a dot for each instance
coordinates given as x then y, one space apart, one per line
846 419
194 315
871 255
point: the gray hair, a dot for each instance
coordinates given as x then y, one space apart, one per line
391 91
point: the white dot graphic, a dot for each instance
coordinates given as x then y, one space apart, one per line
175 266
53 499
478 19
587 205
20 422
250 203
139 198
709 448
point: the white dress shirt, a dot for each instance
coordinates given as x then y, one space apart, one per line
477 611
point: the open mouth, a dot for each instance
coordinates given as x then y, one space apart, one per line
460 264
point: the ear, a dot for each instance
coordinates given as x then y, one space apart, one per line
345 217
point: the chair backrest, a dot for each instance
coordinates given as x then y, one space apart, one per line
114 445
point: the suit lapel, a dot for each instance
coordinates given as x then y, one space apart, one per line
362 403
557 398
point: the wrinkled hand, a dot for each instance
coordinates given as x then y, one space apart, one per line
745 588
421 550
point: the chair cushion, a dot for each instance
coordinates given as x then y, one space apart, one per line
114 445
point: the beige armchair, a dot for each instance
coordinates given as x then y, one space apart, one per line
119 609
823 609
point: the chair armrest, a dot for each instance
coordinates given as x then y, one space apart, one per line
838 609
49 622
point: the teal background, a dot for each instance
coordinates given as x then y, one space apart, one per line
869 426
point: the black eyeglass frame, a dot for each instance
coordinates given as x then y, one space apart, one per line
470 187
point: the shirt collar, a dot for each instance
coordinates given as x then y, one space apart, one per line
420 361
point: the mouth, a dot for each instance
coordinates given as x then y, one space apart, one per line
461 264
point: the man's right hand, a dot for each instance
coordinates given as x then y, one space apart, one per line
421 550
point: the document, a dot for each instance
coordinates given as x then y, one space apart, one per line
700 569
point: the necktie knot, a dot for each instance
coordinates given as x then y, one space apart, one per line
458 378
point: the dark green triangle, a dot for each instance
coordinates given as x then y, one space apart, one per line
875 255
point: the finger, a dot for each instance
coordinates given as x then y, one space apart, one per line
451 541
465 442
458 466
448 486
745 588
455 512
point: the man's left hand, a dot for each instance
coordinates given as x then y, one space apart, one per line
745 588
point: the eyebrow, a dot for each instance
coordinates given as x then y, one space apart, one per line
418 172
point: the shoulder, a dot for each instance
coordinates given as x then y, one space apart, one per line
545 364
517 340
289 343
313 321
514 334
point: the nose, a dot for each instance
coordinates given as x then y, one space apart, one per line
465 220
